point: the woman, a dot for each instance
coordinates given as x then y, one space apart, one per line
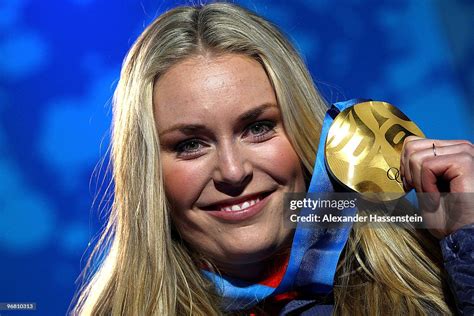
215 119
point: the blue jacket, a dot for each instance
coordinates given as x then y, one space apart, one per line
458 255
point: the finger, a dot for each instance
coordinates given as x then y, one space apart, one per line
450 172
404 168
404 171
457 169
413 144
419 142
465 147
417 159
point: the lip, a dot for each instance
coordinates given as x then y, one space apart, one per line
238 216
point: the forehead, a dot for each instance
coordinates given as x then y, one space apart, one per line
210 87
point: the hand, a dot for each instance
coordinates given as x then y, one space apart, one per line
448 167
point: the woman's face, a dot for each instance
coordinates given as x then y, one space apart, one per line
226 159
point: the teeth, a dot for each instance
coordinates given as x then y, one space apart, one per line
240 207
236 208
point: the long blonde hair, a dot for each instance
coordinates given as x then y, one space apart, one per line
144 268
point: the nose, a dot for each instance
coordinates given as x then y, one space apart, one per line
233 169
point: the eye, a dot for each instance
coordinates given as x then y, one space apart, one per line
191 147
260 131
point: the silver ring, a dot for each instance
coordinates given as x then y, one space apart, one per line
434 150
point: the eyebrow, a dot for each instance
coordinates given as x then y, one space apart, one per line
242 118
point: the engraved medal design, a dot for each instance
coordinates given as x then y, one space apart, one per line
363 148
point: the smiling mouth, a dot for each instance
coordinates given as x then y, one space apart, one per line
239 204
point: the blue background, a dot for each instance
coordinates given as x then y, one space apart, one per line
60 61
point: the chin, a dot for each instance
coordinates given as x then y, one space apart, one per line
252 250
252 255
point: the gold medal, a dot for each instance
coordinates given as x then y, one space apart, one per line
363 149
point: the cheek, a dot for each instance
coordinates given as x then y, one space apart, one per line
282 162
183 181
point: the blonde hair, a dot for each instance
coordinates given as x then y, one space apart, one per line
145 269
